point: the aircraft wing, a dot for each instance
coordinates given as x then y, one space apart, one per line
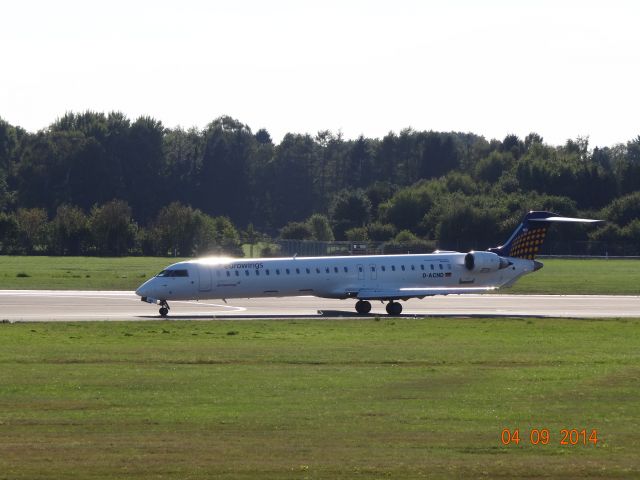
396 293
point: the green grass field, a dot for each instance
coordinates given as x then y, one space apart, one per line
558 276
78 273
299 399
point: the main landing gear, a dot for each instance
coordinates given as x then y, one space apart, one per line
393 308
164 308
363 307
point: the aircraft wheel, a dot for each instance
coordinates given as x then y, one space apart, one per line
394 308
164 311
362 307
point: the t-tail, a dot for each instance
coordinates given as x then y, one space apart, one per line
527 239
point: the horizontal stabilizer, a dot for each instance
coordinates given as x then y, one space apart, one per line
388 294
565 220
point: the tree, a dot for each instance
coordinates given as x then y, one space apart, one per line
175 229
381 232
406 236
251 236
623 210
350 209
532 139
143 165
183 152
32 228
112 228
216 235
491 168
320 227
289 179
224 177
407 207
8 232
439 154
8 144
513 145
70 231
357 234
296 231
360 163
263 137
464 227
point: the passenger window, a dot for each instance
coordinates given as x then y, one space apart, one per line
335 269
257 273
298 271
346 270
317 270
277 271
382 268
373 268
402 267
432 267
308 270
422 266
237 273
246 273
287 270
393 268
228 273
441 268
360 269
413 267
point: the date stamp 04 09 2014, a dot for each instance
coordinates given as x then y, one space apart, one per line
542 436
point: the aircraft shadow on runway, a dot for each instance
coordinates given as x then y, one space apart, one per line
333 314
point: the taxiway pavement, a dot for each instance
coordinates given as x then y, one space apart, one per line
73 305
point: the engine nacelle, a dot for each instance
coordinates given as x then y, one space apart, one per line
484 262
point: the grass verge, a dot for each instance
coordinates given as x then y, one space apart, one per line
374 398
78 273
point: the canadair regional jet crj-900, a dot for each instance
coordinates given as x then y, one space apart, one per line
387 278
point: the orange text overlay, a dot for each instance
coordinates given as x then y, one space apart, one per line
543 436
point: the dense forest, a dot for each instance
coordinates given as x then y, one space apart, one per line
94 183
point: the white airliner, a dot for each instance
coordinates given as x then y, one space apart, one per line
387 278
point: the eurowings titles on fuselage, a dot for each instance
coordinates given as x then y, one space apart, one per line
388 278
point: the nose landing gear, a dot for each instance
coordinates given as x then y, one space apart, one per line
164 308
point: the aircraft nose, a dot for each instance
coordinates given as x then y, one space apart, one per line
143 290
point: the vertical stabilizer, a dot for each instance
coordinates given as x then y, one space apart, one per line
527 239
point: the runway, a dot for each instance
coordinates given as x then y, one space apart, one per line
57 305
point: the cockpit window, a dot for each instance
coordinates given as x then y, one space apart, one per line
173 273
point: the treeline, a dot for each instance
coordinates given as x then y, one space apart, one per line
110 230
404 187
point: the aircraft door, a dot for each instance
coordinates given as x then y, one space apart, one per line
374 272
204 277
360 271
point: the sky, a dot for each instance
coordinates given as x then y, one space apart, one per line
559 68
